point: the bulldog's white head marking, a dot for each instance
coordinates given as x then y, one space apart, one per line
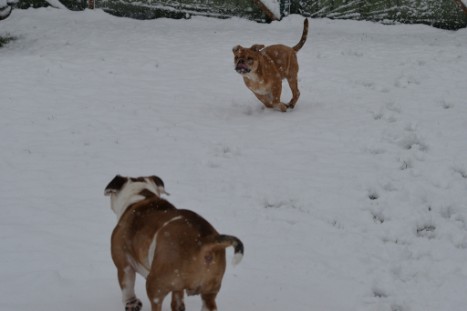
124 191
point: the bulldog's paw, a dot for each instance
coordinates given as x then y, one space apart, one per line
134 305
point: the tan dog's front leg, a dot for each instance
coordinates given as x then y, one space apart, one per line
126 279
276 97
272 100
265 99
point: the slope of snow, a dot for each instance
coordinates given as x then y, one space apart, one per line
273 6
356 200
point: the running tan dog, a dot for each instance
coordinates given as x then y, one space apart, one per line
175 250
264 68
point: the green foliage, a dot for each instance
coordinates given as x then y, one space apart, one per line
26 4
146 9
5 39
75 5
438 13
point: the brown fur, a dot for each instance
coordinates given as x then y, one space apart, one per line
264 68
189 254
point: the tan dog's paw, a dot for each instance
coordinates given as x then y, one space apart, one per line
282 107
134 305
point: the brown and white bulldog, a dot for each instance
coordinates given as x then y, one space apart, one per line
176 250
264 68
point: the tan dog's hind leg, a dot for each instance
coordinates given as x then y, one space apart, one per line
295 92
292 79
209 302
126 279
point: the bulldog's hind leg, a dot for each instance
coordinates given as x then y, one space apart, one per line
156 291
209 302
177 301
126 279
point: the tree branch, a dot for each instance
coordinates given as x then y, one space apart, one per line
461 5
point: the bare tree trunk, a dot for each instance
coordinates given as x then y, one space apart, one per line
266 10
461 5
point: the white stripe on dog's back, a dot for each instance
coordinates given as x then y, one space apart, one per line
153 245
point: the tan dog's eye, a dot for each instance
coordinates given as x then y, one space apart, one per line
250 60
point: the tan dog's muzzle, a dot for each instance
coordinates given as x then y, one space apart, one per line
242 66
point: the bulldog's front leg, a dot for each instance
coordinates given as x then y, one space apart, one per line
126 279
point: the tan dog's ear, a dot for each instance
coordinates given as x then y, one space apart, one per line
257 47
236 48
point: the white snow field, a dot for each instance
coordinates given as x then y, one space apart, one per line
356 200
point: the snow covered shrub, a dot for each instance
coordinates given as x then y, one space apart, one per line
26 4
5 39
6 6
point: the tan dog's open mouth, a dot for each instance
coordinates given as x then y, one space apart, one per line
242 67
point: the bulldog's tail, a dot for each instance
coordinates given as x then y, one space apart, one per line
223 241
303 38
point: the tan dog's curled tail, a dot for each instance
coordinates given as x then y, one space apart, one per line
223 241
303 38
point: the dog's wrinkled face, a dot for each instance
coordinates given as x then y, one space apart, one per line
246 60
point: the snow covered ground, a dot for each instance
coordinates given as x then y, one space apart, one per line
356 200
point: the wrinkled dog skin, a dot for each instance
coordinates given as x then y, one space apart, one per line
264 68
175 250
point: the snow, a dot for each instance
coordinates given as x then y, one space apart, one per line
56 4
4 3
356 200
273 6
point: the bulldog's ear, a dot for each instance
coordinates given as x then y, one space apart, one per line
157 180
115 185
236 48
159 183
257 47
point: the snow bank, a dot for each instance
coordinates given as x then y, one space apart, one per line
356 200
